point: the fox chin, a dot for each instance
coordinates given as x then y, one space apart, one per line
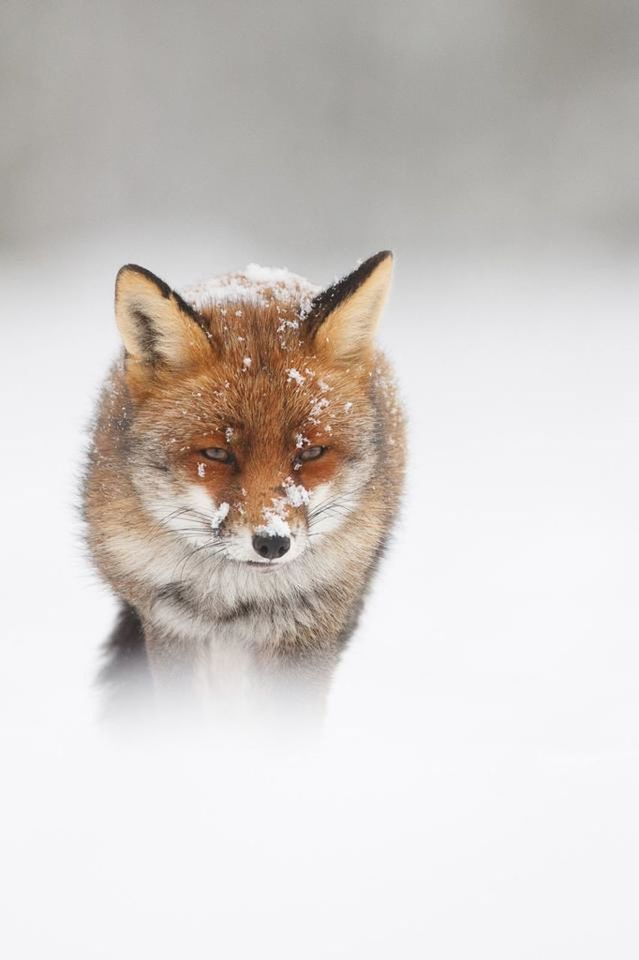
244 474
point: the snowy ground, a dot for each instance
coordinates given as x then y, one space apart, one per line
475 792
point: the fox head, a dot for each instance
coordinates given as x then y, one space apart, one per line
252 428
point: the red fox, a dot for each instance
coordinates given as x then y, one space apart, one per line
245 470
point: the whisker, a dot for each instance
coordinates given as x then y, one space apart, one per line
333 502
339 510
212 548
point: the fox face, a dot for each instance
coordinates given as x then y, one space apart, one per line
252 424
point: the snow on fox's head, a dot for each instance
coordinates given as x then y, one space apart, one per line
251 428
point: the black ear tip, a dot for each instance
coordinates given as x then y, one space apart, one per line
378 258
128 268
136 268
367 267
133 266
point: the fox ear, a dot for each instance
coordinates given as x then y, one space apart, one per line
155 323
344 317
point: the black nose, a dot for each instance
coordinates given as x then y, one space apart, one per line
271 548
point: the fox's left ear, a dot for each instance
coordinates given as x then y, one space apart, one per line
344 317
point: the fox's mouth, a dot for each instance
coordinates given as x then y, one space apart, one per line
267 566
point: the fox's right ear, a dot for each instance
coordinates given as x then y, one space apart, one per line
155 323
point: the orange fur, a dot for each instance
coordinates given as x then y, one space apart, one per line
260 380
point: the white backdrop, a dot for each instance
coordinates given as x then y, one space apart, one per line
475 791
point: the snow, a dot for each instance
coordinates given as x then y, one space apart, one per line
476 786
246 362
296 494
201 470
255 286
269 276
295 375
316 410
274 525
288 325
275 516
219 515
220 291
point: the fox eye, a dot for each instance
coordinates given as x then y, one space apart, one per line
311 453
217 453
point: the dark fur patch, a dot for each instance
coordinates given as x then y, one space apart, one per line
329 299
146 335
126 676
267 610
177 595
124 648
245 608
190 312
127 637
167 292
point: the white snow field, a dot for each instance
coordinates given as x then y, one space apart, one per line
475 792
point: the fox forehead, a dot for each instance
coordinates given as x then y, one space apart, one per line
260 381
261 307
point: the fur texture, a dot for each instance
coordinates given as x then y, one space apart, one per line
253 405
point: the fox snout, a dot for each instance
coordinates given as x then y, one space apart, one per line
271 547
269 538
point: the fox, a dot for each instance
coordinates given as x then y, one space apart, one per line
243 478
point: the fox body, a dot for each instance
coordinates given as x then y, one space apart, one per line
244 473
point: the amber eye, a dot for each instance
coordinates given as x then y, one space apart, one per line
311 453
217 453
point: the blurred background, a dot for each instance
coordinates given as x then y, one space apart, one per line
316 130
475 790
